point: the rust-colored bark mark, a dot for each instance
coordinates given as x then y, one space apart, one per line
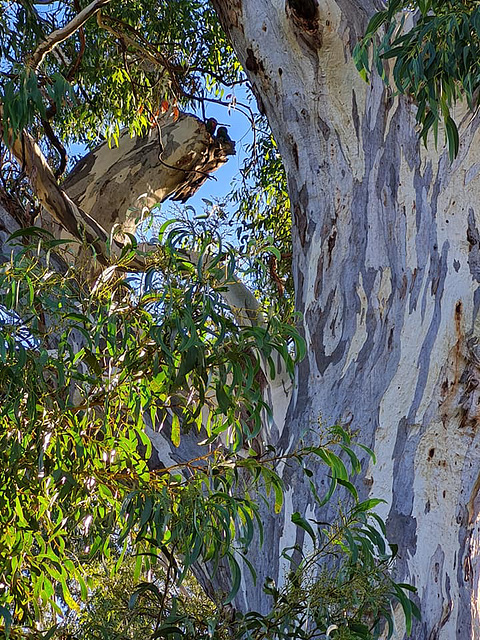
458 360
451 386
458 314
473 505
461 387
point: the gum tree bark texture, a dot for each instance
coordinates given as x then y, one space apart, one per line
115 185
386 240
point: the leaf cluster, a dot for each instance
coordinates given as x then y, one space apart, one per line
435 47
124 67
82 376
343 588
86 374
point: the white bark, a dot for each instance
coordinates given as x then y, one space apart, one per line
387 270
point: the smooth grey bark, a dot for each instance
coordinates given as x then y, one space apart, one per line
386 259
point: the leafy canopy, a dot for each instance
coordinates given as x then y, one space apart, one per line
118 69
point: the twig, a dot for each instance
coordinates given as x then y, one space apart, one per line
58 36
58 146
81 34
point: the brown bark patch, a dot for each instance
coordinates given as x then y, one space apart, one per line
304 15
252 64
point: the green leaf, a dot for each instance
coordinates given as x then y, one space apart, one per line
406 605
303 524
222 397
349 486
175 437
236 578
7 616
375 23
369 504
452 138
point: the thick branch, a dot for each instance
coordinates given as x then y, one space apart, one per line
114 185
58 36
52 197
104 171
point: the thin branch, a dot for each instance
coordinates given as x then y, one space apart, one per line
60 35
81 34
157 58
49 132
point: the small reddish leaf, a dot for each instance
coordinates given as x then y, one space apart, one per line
176 113
164 106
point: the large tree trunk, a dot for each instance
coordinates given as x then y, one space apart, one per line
386 266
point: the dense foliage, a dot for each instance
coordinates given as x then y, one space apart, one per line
101 535
86 374
122 67
434 46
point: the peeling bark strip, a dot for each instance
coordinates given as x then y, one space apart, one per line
387 271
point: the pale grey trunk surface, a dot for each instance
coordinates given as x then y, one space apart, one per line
387 269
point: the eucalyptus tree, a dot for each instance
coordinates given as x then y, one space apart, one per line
385 264
384 231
